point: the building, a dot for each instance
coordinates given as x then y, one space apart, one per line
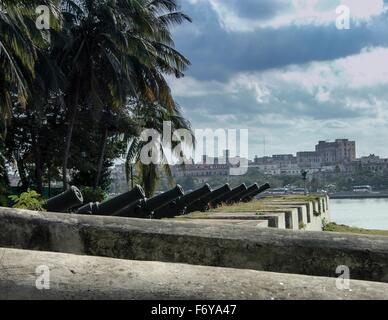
370 163
277 164
210 167
341 151
327 157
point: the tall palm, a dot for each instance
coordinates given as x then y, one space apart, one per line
93 61
116 50
152 116
20 42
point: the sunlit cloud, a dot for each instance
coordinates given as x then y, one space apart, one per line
286 12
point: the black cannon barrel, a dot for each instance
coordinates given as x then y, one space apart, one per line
225 197
178 207
65 201
162 199
193 196
113 205
251 190
132 210
109 207
253 194
238 197
203 203
145 208
89 208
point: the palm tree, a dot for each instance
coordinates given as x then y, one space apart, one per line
116 50
19 47
19 43
93 61
152 116
114 126
110 52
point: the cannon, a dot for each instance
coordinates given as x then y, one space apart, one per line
203 203
227 196
237 197
251 190
89 208
65 201
250 196
115 204
145 208
179 206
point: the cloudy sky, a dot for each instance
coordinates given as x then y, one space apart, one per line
283 70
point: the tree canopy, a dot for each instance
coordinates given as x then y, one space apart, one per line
73 97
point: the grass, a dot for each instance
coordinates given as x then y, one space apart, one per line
193 215
253 206
295 197
333 227
241 207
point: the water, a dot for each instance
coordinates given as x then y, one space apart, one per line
362 213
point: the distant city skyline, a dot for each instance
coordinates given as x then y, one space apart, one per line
293 149
282 69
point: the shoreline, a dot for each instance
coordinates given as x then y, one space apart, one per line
337 227
352 195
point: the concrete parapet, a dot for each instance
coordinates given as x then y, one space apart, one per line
287 251
276 219
291 217
86 277
301 209
240 222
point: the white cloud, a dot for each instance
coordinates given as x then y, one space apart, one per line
299 12
322 95
346 97
191 87
366 69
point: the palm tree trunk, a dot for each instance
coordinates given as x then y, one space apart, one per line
101 158
66 153
39 175
22 175
37 160
69 135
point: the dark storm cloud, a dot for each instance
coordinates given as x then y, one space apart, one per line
216 96
218 54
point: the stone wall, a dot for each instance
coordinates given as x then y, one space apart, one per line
281 212
85 277
223 245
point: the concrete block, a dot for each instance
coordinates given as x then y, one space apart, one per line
265 249
98 278
247 222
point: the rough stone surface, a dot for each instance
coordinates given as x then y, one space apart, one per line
85 277
299 252
247 222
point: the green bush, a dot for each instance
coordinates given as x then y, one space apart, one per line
93 195
30 200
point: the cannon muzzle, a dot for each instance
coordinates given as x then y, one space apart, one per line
254 193
229 195
146 208
109 207
65 201
203 203
179 206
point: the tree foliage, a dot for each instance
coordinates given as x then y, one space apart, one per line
30 200
73 97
